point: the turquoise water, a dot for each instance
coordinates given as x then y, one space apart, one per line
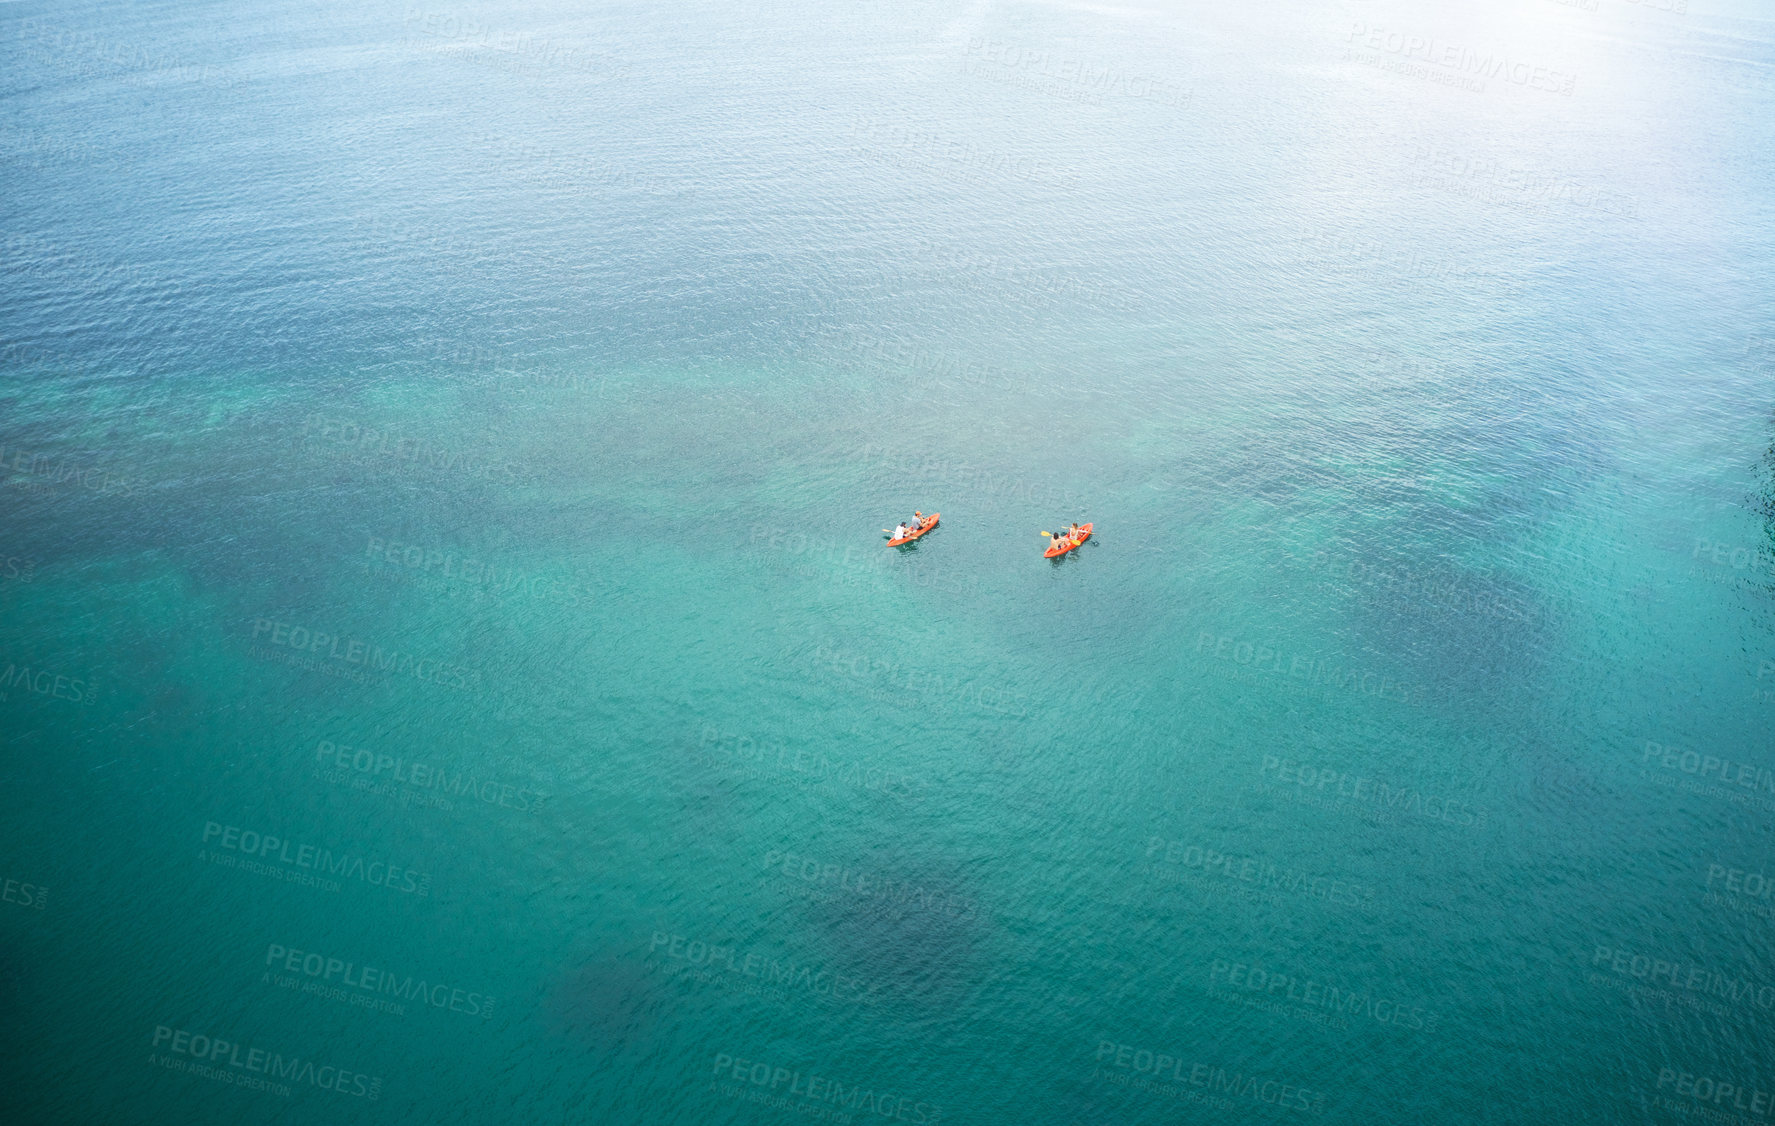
452 673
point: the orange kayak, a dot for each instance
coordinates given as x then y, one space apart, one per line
1063 544
929 523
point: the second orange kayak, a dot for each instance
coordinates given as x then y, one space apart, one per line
1060 545
929 523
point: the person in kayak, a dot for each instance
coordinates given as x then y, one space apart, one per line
917 520
900 531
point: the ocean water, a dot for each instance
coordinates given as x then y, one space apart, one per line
450 670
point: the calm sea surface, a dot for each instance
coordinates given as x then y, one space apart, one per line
450 671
